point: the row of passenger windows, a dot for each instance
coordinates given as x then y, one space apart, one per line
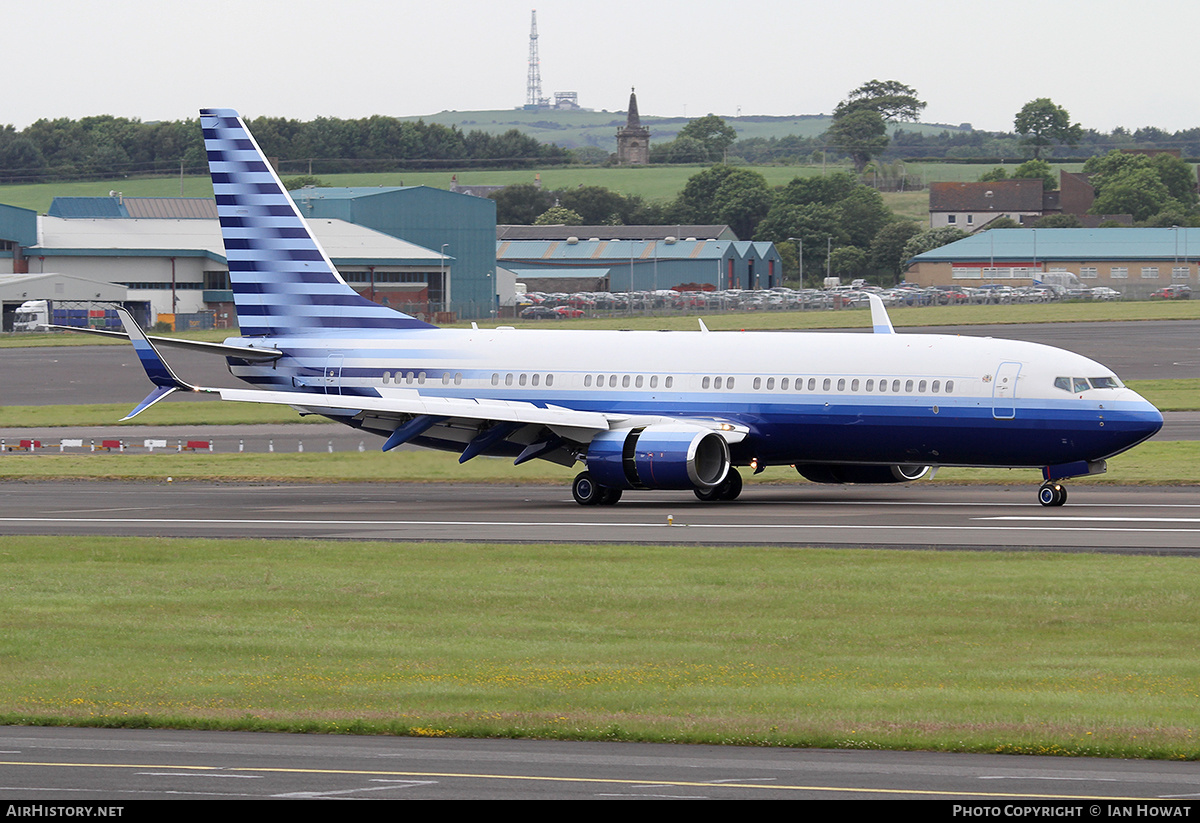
523 379
827 384
419 378
639 381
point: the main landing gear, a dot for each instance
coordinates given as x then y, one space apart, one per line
727 489
1052 494
587 492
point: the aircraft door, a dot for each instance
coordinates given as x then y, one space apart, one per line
333 374
1004 391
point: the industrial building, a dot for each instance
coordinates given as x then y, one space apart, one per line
640 265
1135 261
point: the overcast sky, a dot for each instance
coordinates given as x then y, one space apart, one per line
1108 62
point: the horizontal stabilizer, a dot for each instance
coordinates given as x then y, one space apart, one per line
254 353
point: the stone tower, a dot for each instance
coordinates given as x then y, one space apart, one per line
633 141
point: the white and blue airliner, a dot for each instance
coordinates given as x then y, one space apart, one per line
639 410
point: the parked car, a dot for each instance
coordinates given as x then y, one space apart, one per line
1179 292
539 313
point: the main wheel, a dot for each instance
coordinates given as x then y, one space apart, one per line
585 490
609 496
731 486
1052 494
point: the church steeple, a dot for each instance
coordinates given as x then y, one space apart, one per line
633 121
633 141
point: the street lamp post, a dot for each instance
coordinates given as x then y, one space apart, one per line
799 259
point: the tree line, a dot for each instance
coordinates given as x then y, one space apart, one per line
106 146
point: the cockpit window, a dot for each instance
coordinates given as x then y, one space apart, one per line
1081 383
1105 383
1063 383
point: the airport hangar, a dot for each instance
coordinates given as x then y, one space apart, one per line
635 258
1134 261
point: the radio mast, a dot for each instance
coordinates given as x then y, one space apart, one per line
533 88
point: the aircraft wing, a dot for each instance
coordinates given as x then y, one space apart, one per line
409 413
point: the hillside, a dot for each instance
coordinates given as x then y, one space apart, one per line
575 129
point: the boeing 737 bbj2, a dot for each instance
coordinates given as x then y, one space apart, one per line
640 410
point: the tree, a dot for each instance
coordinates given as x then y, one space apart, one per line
714 134
928 241
520 204
861 134
558 216
888 243
1037 170
890 99
998 173
1043 124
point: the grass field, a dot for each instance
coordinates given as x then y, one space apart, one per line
1018 653
655 183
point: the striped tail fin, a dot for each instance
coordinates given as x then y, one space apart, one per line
283 282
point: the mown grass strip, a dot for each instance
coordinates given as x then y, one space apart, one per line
1034 653
1153 463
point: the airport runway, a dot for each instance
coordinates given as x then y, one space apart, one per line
1102 519
42 765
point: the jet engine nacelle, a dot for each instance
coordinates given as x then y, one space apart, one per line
659 457
861 474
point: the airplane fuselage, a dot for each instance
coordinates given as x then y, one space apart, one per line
808 397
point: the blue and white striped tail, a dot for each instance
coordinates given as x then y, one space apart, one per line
283 282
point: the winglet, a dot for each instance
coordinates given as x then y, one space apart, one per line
879 315
160 374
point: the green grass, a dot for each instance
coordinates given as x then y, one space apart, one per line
1153 463
654 183
185 411
988 652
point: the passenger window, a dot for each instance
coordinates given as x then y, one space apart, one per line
533 381
717 383
549 380
841 384
895 385
704 383
612 381
757 383
587 381
521 380
458 378
812 384
508 379
783 384
870 385
936 385
638 382
949 386
670 382
908 386
825 386
654 381
770 383
625 382
495 380
853 385
921 387
729 383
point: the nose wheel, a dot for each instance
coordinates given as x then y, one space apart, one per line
1052 494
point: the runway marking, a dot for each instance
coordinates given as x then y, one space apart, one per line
588 523
1061 518
608 781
